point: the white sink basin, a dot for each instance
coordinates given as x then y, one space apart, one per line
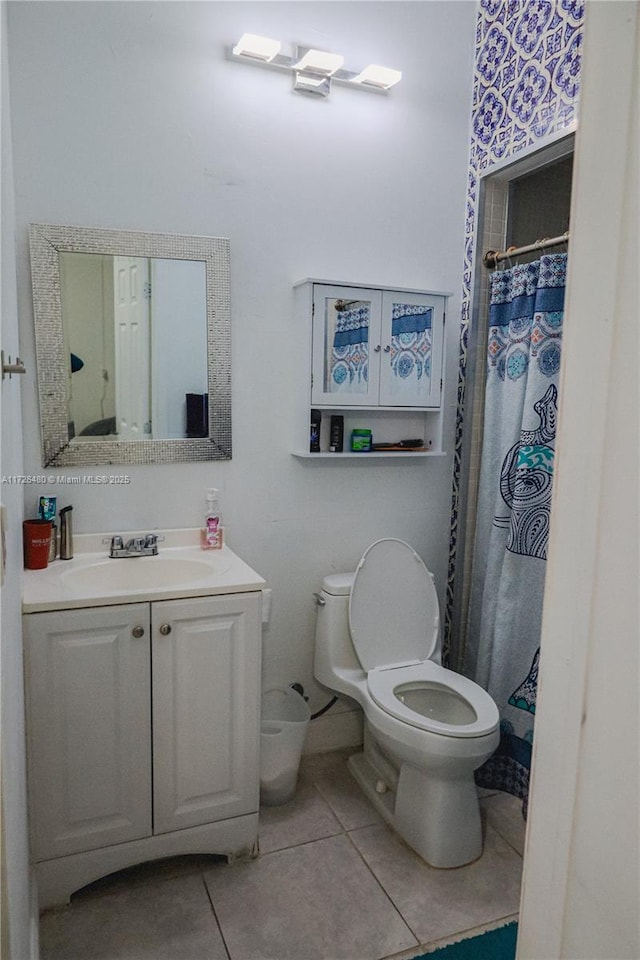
180 571
133 574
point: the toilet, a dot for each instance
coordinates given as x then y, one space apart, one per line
426 728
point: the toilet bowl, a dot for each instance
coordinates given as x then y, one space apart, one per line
427 728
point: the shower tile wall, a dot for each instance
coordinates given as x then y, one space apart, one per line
526 90
539 205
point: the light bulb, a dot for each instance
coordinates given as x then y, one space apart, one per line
260 48
318 61
377 76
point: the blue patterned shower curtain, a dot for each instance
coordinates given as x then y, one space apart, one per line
514 506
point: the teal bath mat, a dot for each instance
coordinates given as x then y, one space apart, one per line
497 944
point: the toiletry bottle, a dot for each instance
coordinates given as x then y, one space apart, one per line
361 440
336 436
314 439
212 534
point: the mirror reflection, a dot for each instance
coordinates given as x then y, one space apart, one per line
135 345
346 366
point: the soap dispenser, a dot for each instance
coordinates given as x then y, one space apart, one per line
66 534
212 534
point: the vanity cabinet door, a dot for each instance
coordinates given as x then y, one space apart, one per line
206 709
88 728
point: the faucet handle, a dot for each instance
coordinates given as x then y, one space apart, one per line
113 541
151 542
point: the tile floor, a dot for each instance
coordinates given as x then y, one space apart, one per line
332 882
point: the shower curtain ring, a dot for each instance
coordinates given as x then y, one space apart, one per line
507 255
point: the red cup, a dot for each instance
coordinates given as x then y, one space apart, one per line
36 536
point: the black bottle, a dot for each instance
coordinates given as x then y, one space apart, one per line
314 442
336 436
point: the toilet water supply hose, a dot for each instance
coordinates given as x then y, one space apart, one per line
324 709
314 716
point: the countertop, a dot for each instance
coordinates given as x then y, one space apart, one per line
60 586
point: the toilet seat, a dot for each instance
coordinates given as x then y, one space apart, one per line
476 714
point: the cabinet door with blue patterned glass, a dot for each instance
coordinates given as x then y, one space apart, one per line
346 346
411 355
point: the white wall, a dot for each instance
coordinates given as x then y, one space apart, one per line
581 884
128 115
18 925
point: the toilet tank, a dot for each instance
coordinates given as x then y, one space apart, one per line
334 658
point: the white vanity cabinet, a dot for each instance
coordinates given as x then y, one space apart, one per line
376 359
143 734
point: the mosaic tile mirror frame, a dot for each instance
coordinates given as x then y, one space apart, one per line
59 445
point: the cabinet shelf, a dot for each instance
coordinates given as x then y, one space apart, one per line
371 455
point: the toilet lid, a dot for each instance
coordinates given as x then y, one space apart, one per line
393 607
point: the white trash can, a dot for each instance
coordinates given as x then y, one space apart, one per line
283 728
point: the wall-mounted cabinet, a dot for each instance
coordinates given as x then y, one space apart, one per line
375 358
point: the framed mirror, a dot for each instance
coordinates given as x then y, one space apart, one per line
133 345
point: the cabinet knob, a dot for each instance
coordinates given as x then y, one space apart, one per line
387 349
137 632
165 629
376 349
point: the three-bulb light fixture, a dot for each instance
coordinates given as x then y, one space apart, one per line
313 70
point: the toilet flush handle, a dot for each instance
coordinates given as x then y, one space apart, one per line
320 601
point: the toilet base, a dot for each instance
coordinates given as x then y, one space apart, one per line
438 818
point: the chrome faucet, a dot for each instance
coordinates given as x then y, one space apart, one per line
146 546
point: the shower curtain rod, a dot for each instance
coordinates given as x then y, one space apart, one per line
493 257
